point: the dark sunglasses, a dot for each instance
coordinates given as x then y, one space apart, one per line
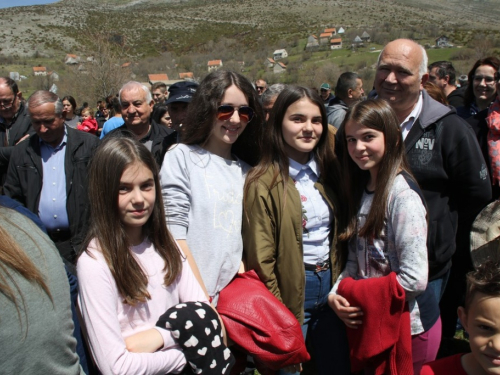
225 112
260 87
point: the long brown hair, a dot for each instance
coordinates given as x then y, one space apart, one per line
202 110
13 260
273 145
112 157
374 114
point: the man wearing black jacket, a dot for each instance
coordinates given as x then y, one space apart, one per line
136 107
48 173
445 158
15 124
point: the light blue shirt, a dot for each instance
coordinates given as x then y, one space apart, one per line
110 125
52 206
316 214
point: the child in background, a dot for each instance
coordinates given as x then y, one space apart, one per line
88 124
132 271
386 224
481 319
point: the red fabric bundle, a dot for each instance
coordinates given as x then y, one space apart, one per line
260 324
383 341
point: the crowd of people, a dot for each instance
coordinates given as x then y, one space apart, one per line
121 228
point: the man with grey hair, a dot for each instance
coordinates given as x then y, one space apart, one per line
349 91
444 157
269 97
136 107
48 173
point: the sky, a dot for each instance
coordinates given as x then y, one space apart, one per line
16 3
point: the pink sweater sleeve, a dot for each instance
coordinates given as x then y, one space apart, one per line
98 299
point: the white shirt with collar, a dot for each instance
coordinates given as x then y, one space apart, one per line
407 124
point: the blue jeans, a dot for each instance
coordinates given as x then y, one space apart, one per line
439 285
324 330
73 283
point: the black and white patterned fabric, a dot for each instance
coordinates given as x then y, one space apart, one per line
197 329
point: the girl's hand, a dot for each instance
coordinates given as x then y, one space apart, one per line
148 341
293 368
344 310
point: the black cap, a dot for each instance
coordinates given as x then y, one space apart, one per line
181 92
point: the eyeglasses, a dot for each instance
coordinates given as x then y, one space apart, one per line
260 88
225 112
7 104
487 79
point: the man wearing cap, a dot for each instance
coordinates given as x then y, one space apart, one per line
326 93
136 107
180 95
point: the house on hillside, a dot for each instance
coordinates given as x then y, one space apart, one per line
365 37
186 75
341 30
312 43
443 42
357 40
39 71
280 54
160 77
54 76
71 59
214 65
279 68
270 63
336 43
324 38
331 30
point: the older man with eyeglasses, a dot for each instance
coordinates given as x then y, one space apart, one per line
15 123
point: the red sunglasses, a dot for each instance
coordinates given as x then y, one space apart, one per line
225 112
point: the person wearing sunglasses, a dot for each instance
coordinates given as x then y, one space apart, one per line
481 90
15 123
202 177
260 86
290 220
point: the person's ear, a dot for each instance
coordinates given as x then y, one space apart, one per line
349 93
462 315
423 81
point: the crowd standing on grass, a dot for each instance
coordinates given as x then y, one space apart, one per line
121 228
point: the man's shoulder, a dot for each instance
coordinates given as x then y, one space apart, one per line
160 130
434 112
79 136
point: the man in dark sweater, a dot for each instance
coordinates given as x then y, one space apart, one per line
445 158
136 106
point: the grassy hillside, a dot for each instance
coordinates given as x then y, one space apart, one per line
178 36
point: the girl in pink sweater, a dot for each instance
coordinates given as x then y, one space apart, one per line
131 271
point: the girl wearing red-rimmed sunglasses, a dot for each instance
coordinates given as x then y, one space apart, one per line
202 178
